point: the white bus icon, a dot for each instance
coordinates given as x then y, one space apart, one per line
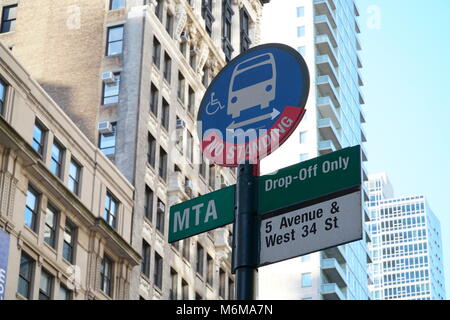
253 83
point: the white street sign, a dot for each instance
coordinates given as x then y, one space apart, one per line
309 229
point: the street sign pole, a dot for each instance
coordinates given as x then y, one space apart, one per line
250 108
246 233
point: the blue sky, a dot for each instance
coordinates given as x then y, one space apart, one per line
406 57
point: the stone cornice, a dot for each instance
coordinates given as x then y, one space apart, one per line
116 242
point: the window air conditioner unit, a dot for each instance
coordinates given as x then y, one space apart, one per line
189 188
181 124
105 127
108 77
161 207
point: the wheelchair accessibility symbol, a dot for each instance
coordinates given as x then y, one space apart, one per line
213 105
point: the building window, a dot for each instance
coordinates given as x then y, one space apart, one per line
167 67
230 289
202 167
148 205
245 30
210 269
304 156
222 282
115 40
56 161
301 50
3 87
174 285
212 176
107 141
154 94
193 58
300 31
64 293
163 164
189 146
156 52
106 275
25 275
39 133
50 228
145 265
151 151
159 9
191 106
180 125
303 137
207 15
186 249
9 16
181 86
185 290
306 280
74 176
111 207
199 261
116 4
169 23
46 285
226 28
160 216
305 258
111 90
300 12
69 241
205 77
184 42
176 245
32 208
157 280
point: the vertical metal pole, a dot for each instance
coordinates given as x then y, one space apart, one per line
246 233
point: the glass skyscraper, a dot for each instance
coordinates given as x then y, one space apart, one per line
406 245
325 33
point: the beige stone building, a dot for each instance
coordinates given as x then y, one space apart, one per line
65 207
131 75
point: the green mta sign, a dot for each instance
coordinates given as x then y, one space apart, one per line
288 187
204 213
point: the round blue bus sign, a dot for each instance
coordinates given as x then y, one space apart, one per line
253 105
